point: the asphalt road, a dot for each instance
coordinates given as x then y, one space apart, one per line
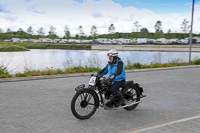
43 106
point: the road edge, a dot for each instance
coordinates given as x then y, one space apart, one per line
87 74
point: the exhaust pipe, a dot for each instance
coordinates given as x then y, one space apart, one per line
133 103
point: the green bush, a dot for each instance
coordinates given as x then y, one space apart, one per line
20 75
196 62
155 65
48 72
137 65
3 70
5 76
59 71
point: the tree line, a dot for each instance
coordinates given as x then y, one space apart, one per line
137 32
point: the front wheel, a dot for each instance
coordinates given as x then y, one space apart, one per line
131 95
84 104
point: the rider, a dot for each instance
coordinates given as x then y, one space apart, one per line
116 70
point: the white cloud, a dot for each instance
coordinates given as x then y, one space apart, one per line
33 9
3 9
101 13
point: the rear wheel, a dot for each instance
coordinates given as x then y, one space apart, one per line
84 104
131 95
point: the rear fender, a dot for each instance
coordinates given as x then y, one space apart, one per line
129 84
139 88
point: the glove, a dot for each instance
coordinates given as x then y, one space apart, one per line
109 81
99 74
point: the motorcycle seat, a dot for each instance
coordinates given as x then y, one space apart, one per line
129 82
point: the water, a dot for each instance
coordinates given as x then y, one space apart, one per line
40 59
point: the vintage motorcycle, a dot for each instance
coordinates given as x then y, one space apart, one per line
87 99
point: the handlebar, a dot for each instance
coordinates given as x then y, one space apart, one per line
103 81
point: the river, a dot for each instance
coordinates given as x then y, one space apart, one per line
39 59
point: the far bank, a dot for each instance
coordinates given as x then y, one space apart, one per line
154 48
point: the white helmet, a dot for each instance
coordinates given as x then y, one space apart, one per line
112 52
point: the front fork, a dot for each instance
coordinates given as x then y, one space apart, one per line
101 97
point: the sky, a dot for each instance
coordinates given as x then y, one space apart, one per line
15 14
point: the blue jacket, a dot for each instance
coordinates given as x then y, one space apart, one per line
117 70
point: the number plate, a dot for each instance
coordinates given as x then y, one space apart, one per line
92 81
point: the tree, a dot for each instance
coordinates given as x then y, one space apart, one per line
9 30
184 26
81 32
76 36
137 26
40 31
111 29
52 32
169 34
144 33
21 33
67 32
20 29
158 26
1 35
169 31
93 32
30 30
1 31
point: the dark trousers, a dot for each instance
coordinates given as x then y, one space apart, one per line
115 88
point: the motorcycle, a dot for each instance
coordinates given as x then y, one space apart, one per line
87 100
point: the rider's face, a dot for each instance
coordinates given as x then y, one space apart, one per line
111 58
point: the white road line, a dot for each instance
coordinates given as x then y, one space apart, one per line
165 124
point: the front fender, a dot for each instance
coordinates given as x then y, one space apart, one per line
82 86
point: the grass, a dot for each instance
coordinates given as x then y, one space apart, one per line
79 69
29 45
12 48
32 45
4 72
69 46
173 63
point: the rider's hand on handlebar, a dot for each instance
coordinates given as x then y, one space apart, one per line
99 74
109 81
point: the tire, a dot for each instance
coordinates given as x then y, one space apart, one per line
84 104
132 94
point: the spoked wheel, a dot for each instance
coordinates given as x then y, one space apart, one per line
84 104
131 95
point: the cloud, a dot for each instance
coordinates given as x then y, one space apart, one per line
9 18
97 15
3 9
81 1
33 9
100 13
6 15
27 0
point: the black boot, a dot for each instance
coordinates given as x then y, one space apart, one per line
120 100
110 103
113 100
